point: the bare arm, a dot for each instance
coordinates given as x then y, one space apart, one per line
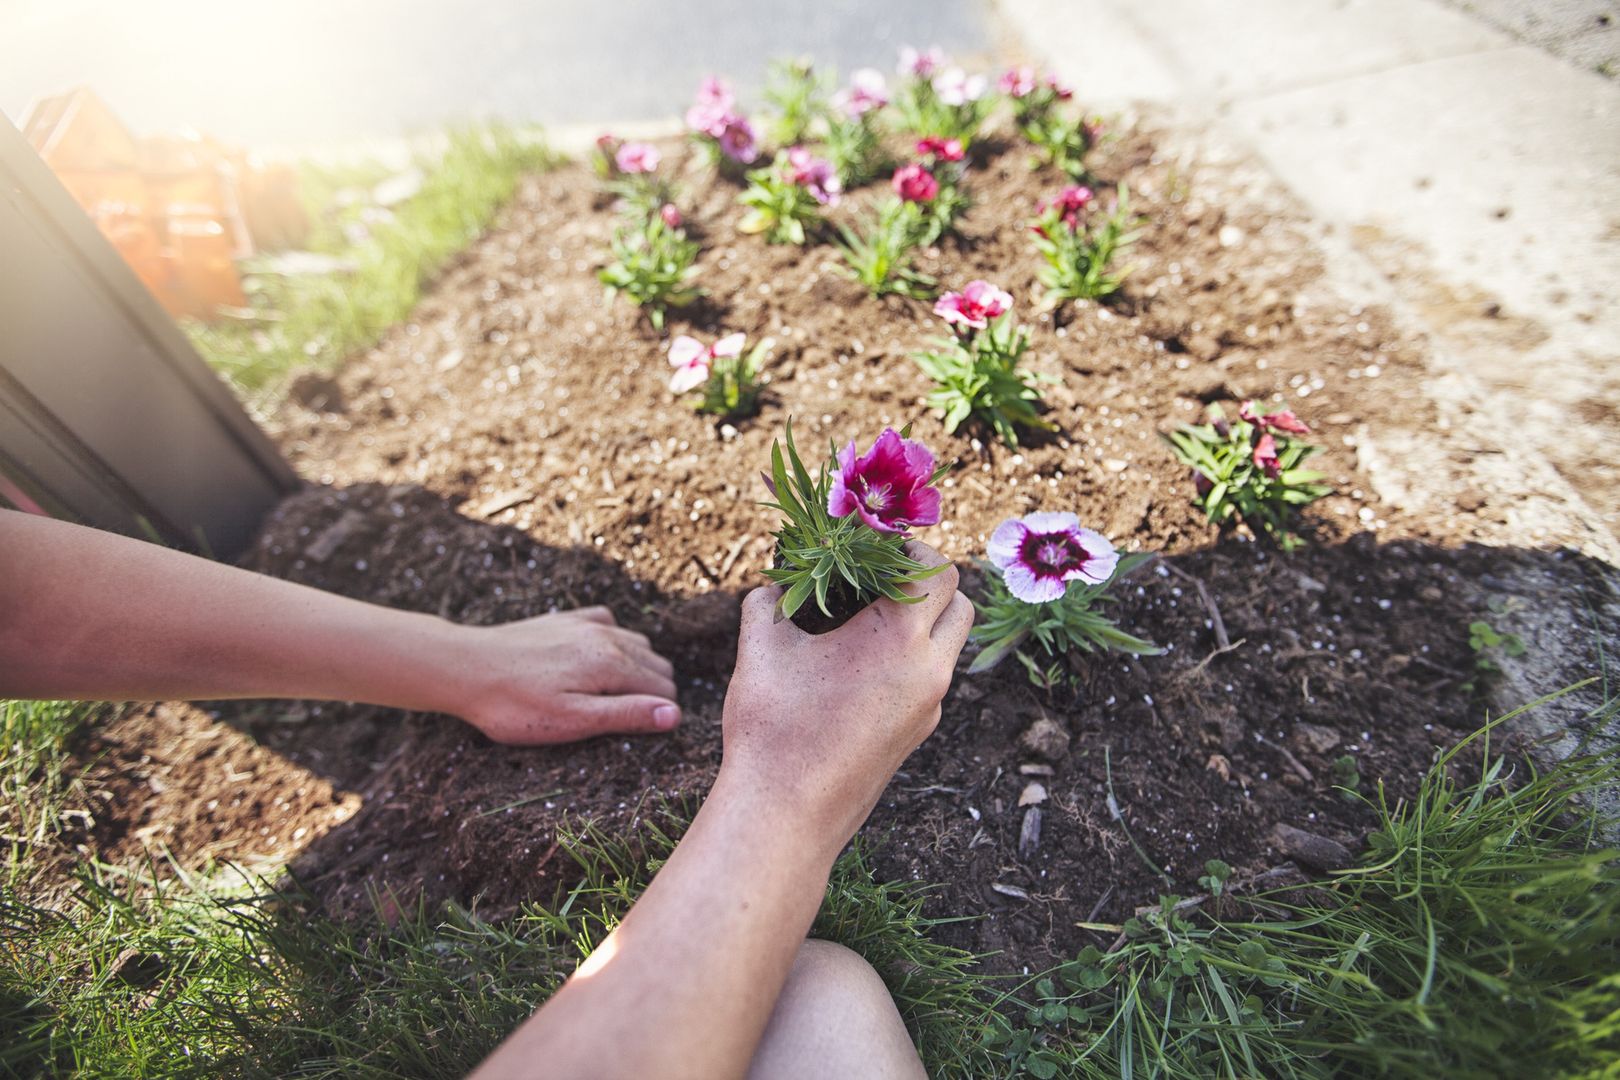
814 727
87 614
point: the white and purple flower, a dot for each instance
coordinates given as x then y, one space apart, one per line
815 175
1039 554
921 64
867 90
955 86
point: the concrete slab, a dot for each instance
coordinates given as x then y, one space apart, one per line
1479 177
1223 51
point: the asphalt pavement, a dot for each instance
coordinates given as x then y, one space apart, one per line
322 72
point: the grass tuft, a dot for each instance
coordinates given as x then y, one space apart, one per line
173 976
1479 938
38 794
318 319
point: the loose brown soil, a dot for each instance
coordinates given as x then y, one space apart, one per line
515 449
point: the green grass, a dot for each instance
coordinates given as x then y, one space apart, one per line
173 976
317 320
1479 937
37 791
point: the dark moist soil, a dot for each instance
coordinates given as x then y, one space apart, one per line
514 450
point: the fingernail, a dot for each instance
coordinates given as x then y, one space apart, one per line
666 717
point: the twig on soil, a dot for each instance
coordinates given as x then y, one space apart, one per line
1450 673
1287 755
703 568
1215 619
1119 816
736 550
931 788
1096 909
1204 663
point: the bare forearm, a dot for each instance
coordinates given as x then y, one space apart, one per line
685 985
87 614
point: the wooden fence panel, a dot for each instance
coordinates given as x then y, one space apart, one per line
107 414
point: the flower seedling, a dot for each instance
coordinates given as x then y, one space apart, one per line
728 376
937 98
1347 777
844 530
720 130
785 198
944 160
798 94
880 260
1036 102
1045 576
653 265
1250 469
1080 254
1214 878
852 142
630 172
976 369
1489 645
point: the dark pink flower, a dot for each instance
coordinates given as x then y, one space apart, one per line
914 183
943 149
868 90
1202 484
974 306
1265 455
637 157
692 359
1059 91
1073 201
671 215
606 143
815 175
1017 82
1039 554
887 486
921 64
1282 420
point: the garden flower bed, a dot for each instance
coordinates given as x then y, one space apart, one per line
517 446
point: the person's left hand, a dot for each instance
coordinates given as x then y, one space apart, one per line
561 677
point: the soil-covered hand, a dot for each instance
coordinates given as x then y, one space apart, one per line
819 723
560 677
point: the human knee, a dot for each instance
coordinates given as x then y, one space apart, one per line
826 970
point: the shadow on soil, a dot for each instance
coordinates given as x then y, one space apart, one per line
1287 676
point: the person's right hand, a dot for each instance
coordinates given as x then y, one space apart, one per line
820 723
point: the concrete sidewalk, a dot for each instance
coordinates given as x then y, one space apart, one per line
1478 177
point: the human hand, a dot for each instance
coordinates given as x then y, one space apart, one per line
561 677
820 723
